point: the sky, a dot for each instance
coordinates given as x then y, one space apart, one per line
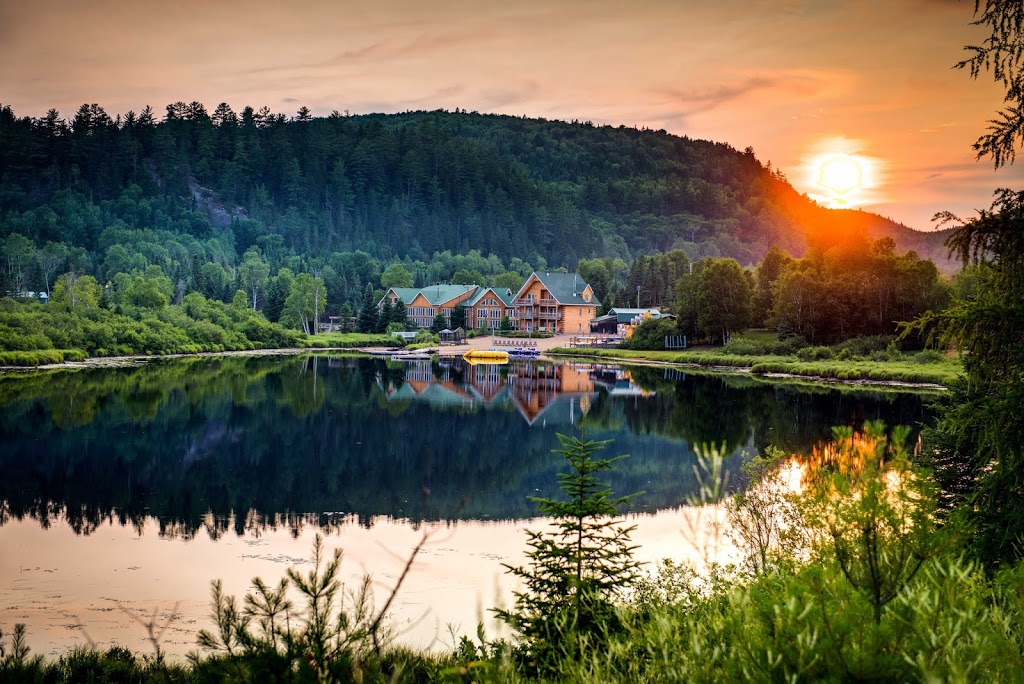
799 81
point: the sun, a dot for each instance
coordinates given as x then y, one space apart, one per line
840 174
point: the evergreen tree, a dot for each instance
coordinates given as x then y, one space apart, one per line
384 319
400 314
439 322
577 569
979 440
368 314
458 317
277 293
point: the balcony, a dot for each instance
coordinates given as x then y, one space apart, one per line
531 315
522 301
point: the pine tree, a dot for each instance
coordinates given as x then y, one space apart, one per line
400 314
577 569
368 314
385 317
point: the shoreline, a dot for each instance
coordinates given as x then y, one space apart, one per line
748 370
141 359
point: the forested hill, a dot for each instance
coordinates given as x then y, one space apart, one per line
402 185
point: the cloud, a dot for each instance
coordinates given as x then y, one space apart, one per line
502 97
390 49
696 101
803 83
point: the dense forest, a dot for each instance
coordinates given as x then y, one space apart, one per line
191 191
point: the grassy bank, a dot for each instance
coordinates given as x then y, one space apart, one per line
348 341
910 368
41 357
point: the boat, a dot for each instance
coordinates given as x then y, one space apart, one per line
484 354
524 353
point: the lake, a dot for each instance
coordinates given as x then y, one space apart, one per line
125 491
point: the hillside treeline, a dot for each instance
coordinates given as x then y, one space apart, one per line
405 185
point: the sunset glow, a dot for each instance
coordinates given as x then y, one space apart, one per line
841 175
693 69
837 174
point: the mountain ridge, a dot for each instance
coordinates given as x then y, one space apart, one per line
409 185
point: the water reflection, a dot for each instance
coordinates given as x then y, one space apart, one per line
243 445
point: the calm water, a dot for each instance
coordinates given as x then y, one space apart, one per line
125 491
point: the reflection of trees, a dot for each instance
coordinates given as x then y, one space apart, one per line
241 444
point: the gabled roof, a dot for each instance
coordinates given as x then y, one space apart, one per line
406 294
439 294
499 292
566 288
435 295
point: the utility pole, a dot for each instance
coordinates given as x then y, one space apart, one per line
638 296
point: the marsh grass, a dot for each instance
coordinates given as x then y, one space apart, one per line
920 367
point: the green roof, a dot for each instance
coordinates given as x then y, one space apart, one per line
566 287
439 294
626 315
406 294
435 294
498 292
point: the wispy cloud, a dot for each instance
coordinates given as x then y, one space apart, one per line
384 50
804 83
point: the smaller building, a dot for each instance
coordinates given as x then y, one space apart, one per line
621 321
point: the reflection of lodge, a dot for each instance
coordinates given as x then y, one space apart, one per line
556 392
552 394
421 383
486 380
618 382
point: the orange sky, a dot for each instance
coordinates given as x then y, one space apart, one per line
780 76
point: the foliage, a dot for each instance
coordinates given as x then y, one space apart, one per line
978 444
198 324
331 633
40 357
439 323
861 289
350 340
306 301
946 372
723 299
764 517
877 510
221 201
743 346
1002 54
578 569
651 334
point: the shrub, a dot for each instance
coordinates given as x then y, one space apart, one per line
928 356
814 353
742 346
866 345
